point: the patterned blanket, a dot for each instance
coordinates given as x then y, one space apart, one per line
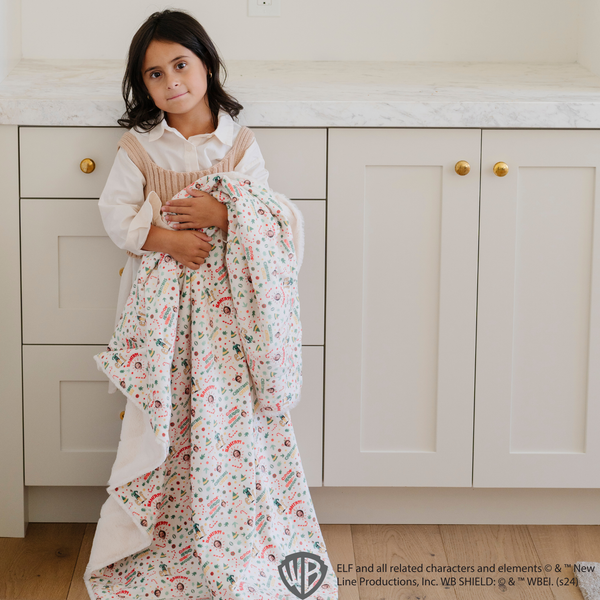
247 316
208 498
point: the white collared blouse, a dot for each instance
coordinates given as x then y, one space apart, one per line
127 215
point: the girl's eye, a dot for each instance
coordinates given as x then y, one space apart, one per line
157 73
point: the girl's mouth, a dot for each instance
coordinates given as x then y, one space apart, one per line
179 96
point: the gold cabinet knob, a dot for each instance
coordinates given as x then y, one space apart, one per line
501 169
122 415
87 165
462 167
121 271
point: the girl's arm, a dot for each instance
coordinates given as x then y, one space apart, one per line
158 239
126 217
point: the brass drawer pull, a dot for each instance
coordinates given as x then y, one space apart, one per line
501 169
462 167
87 165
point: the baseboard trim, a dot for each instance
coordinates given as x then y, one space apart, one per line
359 505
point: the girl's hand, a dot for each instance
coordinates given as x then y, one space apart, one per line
202 210
190 248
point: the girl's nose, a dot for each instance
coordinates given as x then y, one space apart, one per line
172 82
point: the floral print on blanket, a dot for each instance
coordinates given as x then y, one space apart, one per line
213 358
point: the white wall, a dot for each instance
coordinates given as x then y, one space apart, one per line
10 35
406 30
589 36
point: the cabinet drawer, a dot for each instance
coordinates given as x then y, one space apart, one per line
311 279
70 273
296 159
50 159
72 424
307 417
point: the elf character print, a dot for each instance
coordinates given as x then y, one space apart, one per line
220 348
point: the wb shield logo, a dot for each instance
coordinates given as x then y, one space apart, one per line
302 573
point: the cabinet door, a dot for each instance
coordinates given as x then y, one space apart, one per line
537 398
402 230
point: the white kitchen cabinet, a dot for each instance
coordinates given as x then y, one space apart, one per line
537 394
401 299
403 380
450 340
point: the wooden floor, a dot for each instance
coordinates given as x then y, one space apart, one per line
48 564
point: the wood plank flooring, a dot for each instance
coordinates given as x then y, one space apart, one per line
48 564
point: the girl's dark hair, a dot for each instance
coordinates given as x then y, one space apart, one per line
179 27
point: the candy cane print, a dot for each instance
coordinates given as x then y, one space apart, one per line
233 371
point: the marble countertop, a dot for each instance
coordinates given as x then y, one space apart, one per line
328 94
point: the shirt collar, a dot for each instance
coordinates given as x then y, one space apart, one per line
224 130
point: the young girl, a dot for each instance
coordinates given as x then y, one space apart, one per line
186 118
200 546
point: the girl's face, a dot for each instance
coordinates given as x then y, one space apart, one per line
176 79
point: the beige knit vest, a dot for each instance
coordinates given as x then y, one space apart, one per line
167 183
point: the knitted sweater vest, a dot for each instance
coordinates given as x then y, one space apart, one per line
167 183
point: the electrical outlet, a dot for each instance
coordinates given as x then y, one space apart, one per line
264 8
